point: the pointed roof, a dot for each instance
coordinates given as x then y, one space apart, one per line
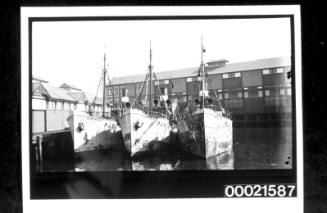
56 93
83 97
90 98
36 78
77 96
65 85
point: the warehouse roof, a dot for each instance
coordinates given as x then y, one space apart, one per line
36 78
60 93
77 96
160 75
189 72
57 92
65 85
90 98
85 97
253 65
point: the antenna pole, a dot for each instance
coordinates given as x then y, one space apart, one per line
104 86
202 70
150 68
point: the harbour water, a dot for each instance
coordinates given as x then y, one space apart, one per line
253 148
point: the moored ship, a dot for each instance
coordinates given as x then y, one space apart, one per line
145 128
94 132
204 128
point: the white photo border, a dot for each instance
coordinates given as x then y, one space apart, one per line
294 204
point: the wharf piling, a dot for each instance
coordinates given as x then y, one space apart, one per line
54 146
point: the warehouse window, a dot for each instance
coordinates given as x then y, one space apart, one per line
239 94
260 94
237 74
282 91
225 75
166 91
51 105
246 94
253 93
189 80
124 92
226 95
58 105
233 95
289 91
267 92
280 70
66 106
266 71
162 90
220 95
166 81
232 75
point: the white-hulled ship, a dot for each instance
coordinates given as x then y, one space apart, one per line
94 132
204 129
144 128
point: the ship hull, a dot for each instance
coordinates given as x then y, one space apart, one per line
205 133
90 133
143 133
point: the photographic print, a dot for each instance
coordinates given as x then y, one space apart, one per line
202 99
124 95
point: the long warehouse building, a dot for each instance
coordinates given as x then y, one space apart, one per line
258 93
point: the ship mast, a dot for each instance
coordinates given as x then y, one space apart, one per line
150 69
104 86
202 70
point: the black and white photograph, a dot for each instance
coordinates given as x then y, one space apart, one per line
200 97
124 95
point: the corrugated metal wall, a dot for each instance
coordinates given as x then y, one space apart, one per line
234 105
193 88
179 85
38 121
49 120
56 119
274 79
131 89
275 104
216 82
230 83
254 105
252 78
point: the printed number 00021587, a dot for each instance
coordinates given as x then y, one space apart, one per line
257 190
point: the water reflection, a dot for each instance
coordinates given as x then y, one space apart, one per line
252 149
183 161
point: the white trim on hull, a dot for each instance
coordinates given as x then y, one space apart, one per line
142 132
93 133
206 133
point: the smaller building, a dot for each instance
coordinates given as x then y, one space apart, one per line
51 105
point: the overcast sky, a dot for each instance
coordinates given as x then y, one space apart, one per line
72 52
